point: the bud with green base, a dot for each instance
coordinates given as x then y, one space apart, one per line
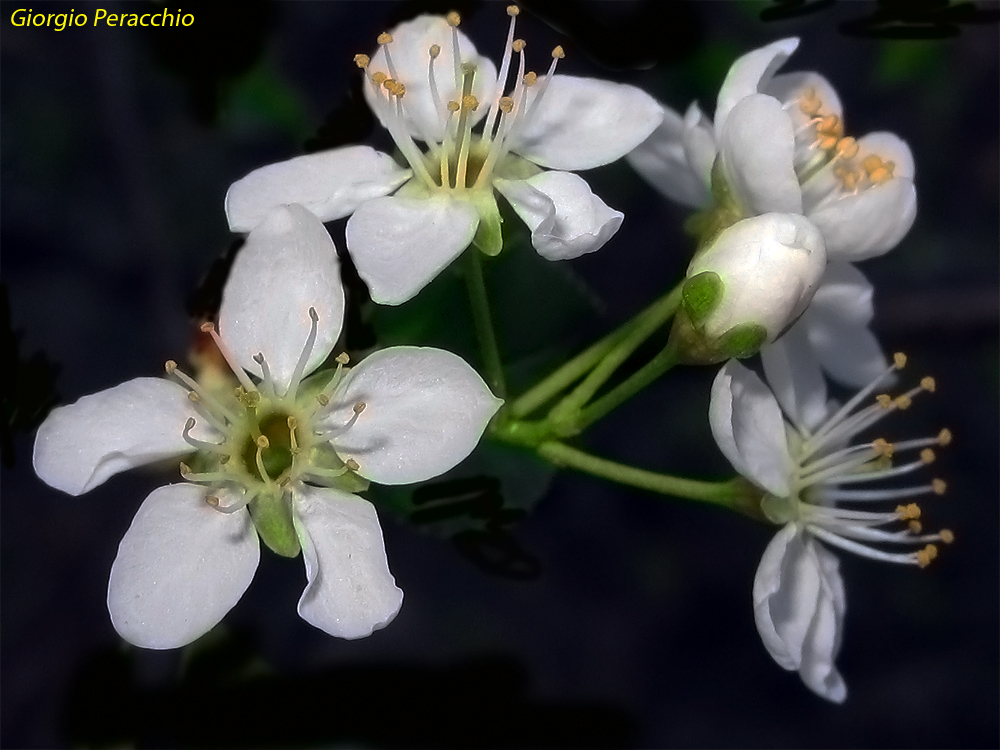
745 287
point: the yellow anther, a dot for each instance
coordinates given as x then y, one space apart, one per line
360 407
506 104
435 50
352 464
939 486
847 148
378 78
212 500
810 103
909 512
170 366
850 180
871 163
883 447
827 143
880 175
830 126
904 402
884 400
558 52
927 456
185 469
899 359
292 422
944 437
454 106
207 327
928 384
518 45
323 400
915 527
925 555
362 61
394 87
530 77
453 19
513 10
470 102
947 536
263 442
384 38
194 397
342 358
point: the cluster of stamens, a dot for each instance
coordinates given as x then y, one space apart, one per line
827 470
839 150
269 440
460 160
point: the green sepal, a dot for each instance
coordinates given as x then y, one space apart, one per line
701 294
489 234
741 341
272 515
709 223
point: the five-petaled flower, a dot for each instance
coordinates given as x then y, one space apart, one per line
283 453
778 144
427 84
806 468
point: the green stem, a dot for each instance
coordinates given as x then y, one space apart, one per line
734 494
482 319
567 373
638 380
638 330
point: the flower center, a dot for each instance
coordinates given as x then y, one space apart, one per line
455 159
269 441
821 145
827 467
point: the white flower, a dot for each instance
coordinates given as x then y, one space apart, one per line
780 145
283 452
426 83
806 468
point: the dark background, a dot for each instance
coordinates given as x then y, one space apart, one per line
634 627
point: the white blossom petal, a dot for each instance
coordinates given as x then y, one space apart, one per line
83 444
409 49
425 410
747 424
836 325
180 568
822 644
799 605
350 592
750 74
869 223
330 184
582 123
565 218
795 377
287 265
699 145
399 244
662 161
757 149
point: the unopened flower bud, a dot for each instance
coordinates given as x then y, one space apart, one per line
745 287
